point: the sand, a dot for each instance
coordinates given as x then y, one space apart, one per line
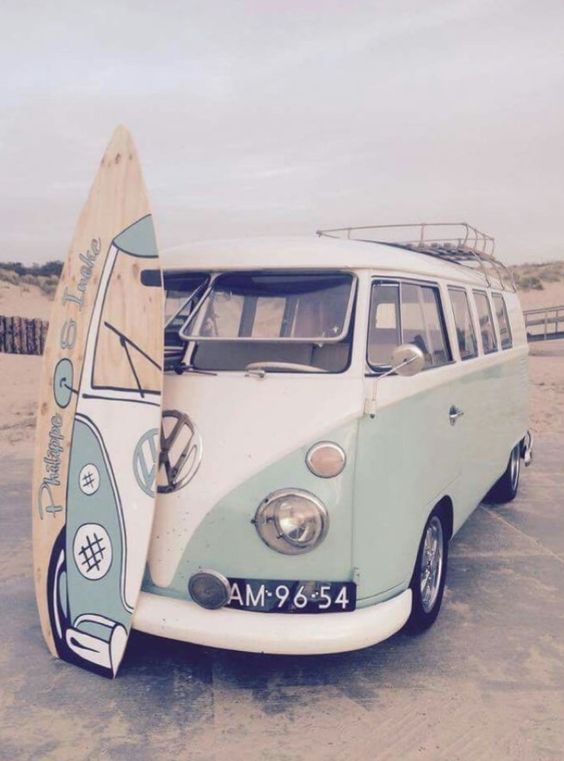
546 367
552 295
23 301
19 386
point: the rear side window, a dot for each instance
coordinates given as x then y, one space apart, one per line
489 341
465 333
406 313
502 321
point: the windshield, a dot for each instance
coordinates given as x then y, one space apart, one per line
272 306
287 321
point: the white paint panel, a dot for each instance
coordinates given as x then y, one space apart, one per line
246 424
277 633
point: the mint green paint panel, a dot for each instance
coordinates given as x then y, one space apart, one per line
397 476
496 414
139 239
228 542
88 595
409 457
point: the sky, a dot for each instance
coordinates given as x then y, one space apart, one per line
260 117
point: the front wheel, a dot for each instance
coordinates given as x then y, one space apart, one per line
506 488
429 576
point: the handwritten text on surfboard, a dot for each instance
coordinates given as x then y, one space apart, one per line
88 259
55 445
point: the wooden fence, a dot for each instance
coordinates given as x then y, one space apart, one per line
18 335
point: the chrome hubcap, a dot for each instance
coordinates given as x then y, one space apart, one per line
514 468
431 564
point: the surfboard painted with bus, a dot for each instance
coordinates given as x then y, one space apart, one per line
97 444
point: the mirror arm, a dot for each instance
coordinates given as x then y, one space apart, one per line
370 403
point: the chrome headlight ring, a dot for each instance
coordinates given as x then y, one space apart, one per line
292 521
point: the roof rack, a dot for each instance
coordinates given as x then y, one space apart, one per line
463 244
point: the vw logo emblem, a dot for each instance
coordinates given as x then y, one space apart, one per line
145 461
181 451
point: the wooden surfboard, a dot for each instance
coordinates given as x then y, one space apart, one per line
98 423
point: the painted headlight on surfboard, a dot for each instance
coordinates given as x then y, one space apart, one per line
291 521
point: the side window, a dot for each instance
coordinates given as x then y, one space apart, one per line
502 321
182 294
384 332
465 333
423 324
406 313
489 340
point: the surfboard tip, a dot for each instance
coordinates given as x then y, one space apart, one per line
120 132
120 146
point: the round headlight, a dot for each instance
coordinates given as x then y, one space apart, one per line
326 459
209 589
291 521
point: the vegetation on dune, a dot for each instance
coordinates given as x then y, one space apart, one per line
532 277
46 269
43 276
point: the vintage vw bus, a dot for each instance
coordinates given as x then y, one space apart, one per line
334 410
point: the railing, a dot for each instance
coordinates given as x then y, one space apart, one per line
545 323
457 242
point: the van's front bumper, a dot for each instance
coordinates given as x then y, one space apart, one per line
276 633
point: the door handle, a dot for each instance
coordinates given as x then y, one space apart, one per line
454 413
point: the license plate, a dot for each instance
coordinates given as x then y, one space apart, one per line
274 596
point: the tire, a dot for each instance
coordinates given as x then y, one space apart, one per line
428 581
506 488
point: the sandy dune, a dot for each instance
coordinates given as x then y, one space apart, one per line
23 301
552 295
19 386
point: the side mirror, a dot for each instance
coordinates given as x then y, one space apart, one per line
407 360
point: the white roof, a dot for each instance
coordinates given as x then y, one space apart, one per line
310 253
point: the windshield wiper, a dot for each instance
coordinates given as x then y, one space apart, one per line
181 368
125 343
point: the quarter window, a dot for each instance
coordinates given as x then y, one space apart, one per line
385 328
489 340
406 313
465 333
502 321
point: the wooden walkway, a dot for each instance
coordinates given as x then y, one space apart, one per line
544 324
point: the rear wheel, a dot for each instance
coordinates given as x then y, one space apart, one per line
429 576
506 488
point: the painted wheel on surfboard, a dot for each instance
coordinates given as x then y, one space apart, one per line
57 596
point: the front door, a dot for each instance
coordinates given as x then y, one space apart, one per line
410 451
